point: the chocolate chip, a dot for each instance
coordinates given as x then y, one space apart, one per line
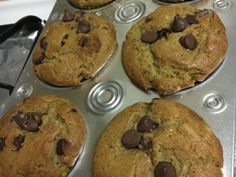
65 36
163 33
36 116
39 59
83 26
188 42
83 42
2 143
146 125
63 39
74 110
61 146
164 169
17 141
62 43
80 14
179 24
28 121
43 43
149 37
191 19
68 16
204 13
146 144
28 124
131 139
148 19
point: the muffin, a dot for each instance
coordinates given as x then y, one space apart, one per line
73 49
89 4
158 139
41 136
174 48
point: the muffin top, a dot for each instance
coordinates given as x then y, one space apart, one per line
73 49
158 139
41 136
89 4
173 48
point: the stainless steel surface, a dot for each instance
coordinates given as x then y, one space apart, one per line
105 96
214 99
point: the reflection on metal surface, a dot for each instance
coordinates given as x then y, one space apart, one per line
214 103
129 12
222 5
24 90
105 96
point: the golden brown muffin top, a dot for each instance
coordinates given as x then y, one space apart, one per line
174 47
42 136
161 137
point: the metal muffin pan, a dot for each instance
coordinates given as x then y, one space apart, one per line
110 91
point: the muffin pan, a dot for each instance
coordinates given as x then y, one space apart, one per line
110 91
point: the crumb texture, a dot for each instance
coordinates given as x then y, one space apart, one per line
74 49
43 136
172 136
173 48
89 4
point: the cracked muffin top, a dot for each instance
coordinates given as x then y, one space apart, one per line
41 136
158 139
173 48
89 4
73 49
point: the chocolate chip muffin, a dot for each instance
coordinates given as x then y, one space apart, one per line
89 4
174 48
158 139
74 49
42 136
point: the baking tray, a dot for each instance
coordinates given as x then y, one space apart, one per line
110 91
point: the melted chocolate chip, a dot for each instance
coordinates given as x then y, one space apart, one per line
80 14
28 121
40 59
204 13
179 24
149 37
164 169
61 146
146 144
43 43
28 124
191 19
17 141
146 125
188 42
131 139
83 26
68 16
2 143
163 33
36 116
83 42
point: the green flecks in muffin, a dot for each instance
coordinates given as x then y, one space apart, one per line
65 172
